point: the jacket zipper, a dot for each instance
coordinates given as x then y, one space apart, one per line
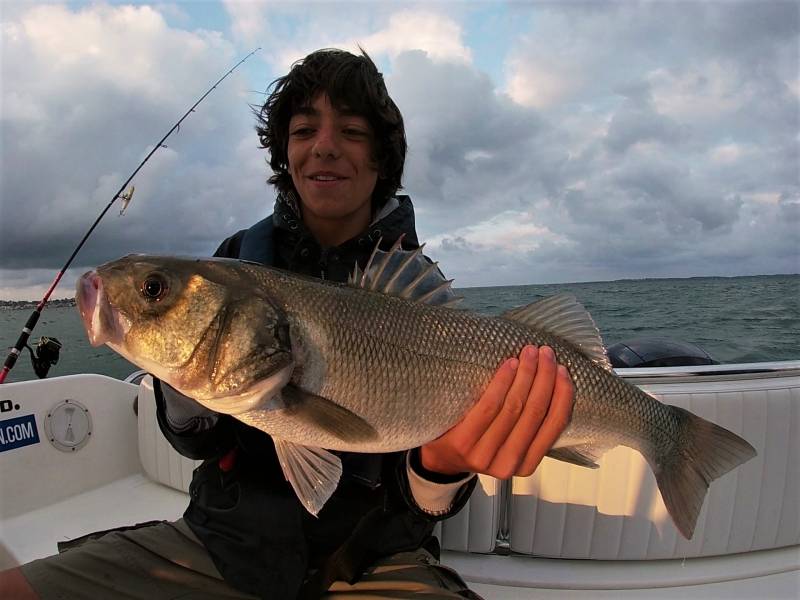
323 263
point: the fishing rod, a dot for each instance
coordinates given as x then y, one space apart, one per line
22 342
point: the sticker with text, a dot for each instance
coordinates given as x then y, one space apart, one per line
18 432
8 406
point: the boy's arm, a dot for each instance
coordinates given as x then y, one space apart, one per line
193 430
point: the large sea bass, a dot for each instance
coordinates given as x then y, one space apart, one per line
377 365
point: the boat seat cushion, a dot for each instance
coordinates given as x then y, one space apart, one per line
616 512
160 461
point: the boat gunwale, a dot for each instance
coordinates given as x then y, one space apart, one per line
727 372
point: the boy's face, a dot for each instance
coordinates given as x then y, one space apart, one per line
330 161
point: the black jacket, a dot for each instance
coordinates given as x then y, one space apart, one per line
260 537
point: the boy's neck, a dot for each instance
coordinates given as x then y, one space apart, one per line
333 232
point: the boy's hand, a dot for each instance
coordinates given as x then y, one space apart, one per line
523 411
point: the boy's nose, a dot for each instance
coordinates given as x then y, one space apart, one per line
326 144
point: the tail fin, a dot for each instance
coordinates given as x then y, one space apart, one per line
704 451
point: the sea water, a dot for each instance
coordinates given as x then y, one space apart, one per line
734 319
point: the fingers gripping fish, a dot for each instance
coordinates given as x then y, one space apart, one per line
380 364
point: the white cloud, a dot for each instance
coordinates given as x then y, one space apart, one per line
436 34
415 29
699 92
535 84
249 20
31 284
771 198
123 47
85 95
510 231
610 150
727 153
560 58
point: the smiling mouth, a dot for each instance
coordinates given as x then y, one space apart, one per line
326 178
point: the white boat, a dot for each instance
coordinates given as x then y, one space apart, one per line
78 458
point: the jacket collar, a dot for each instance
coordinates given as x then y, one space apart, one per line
297 250
396 218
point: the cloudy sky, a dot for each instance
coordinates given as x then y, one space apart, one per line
548 142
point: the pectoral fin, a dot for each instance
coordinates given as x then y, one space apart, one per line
327 415
313 472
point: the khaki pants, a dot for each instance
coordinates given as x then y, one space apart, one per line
167 561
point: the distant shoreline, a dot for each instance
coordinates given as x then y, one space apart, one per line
626 280
22 304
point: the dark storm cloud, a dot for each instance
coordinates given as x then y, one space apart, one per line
637 120
457 244
80 114
790 209
665 145
462 134
627 139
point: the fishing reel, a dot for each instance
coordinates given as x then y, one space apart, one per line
45 355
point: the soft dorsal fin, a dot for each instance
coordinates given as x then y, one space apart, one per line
564 316
407 274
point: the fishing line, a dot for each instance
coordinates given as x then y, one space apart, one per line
22 342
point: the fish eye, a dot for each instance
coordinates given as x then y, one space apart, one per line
154 288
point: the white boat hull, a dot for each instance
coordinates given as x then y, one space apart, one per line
565 532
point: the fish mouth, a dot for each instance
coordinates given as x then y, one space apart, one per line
103 323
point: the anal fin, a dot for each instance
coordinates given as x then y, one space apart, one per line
581 455
312 472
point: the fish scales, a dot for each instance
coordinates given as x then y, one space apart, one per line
331 366
421 357
377 353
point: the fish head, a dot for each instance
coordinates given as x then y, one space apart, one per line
201 325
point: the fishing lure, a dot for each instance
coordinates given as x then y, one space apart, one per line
126 199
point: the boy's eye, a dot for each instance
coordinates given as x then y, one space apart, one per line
300 131
354 131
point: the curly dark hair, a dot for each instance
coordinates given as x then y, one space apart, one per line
351 82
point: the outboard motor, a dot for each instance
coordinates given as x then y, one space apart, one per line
657 352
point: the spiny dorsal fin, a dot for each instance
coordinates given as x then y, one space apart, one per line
564 316
406 274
